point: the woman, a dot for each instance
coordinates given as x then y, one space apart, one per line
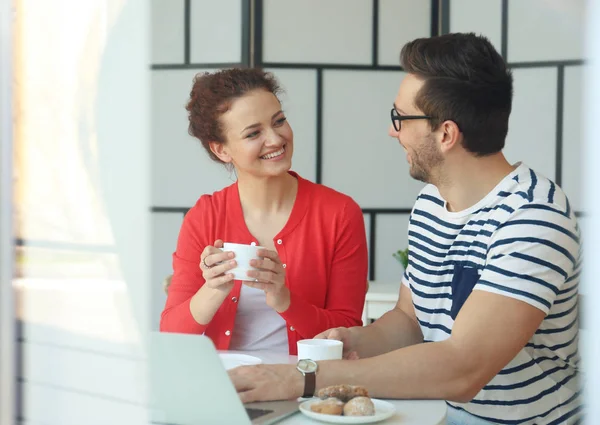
313 272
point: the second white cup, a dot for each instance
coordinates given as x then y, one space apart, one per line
320 349
243 255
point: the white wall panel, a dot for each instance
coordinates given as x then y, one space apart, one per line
84 371
480 17
216 31
332 31
532 127
359 158
392 235
181 168
51 405
543 30
167 38
299 100
401 21
572 136
165 230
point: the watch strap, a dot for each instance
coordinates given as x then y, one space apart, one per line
310 383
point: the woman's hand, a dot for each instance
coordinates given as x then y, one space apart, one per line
215 264
270 277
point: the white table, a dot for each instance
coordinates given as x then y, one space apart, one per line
381 298
408 412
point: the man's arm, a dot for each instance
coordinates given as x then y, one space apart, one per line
489 332
395 329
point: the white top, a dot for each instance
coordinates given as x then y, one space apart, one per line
257 326
520 241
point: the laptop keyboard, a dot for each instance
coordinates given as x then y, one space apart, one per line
257 413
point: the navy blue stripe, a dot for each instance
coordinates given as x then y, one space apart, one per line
489 221
528 381
529 278
432 272
438 220
544 207
542 223
540 262
475 232
551 192
565 300
574 276
471 244
524 400
532 186
435 326
505 194
562 314
552 245
519 421
425 295
413 234
557 330
499 206
553 347
566 416
567 290
468 253
516 178
433 230
433 310
429 284
515 291
432 199
533 362
444 263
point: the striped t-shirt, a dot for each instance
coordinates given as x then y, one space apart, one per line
520 241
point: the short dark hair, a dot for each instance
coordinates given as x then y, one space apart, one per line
466 81
212 95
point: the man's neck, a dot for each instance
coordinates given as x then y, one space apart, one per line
467 181
267 196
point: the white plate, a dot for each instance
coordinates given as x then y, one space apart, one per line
231 360
383 410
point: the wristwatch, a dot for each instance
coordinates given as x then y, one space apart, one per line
308 368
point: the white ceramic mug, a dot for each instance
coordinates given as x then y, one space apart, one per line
320 349
243 255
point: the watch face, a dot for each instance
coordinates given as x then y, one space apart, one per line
307 366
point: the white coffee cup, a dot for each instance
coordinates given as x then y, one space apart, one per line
243 255
320 349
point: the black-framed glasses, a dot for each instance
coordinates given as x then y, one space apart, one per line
397 118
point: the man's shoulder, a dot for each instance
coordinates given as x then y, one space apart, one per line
533 194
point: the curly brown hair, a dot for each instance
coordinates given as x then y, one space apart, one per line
213 94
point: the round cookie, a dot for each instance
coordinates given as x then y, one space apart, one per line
359 406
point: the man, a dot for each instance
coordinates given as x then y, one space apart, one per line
488 306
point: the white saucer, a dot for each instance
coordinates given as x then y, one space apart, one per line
231 360
383 410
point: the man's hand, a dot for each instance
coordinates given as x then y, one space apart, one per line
348 336
267 382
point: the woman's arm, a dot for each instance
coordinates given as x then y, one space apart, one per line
347 285
195 294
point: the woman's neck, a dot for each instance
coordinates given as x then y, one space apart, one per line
267 196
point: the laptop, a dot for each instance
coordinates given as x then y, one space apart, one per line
190 386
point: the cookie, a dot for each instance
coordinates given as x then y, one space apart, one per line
359 406
331 406
343 392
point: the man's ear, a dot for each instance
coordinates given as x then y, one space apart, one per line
451 135
221 151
